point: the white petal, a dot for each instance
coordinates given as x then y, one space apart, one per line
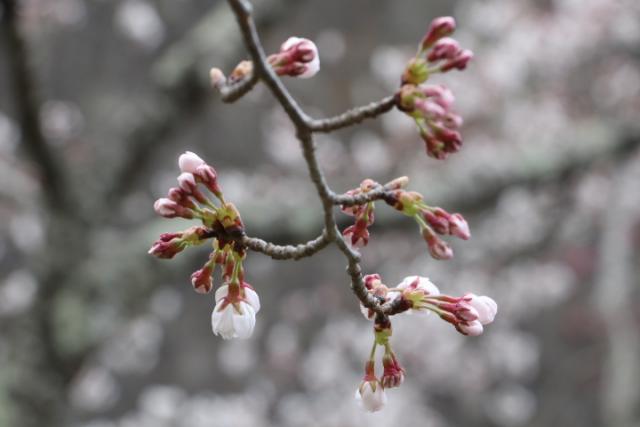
189 161
372 401
222 322
244 323
252 299
221 292
473 328
312 68
291 41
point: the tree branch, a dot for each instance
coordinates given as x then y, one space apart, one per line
304 128
52 177
353 116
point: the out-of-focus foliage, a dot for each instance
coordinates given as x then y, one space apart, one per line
95 333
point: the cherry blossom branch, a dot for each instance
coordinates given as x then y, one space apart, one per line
284 252
304 128
353 116
234 91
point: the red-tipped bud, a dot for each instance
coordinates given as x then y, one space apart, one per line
170 209
446 48
438 248
440 27
438 223
393 374
459 62
166 249
201 279
189 186
459 227
298 57
208 176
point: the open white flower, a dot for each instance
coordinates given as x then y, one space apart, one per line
235 319
419 284
371 396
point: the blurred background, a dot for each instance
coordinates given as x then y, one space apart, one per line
97 100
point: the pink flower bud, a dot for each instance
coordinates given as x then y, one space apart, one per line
440 94
438 248
459 62
298 57
446 48
201 280
439 223
189 161
170 209
459 227
430 110
208 176
393 374
166 249
217 77
356 237
440 27
473 328
486 307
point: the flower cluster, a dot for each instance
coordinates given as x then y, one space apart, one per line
237 303
297 57
468 314
431 220
357 235
431 106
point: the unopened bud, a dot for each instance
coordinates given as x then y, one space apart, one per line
440 27
438 248
201 279
397 183
241 72
217 77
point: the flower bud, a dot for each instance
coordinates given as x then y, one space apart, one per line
397 183
201 279
459 62
446 48
187 183
189 161
217 77
241 72
298 57
208 176
440 27
459 227
472 329
166 249
393 374
485 306
170 209
438 248
370 394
